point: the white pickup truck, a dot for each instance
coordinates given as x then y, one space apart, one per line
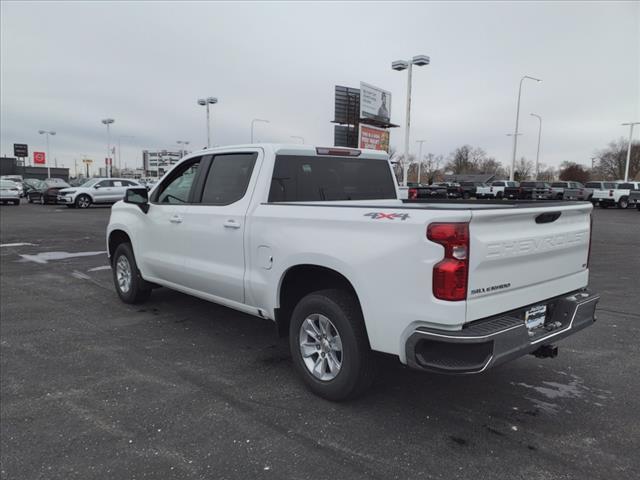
495 190
618 196
316 240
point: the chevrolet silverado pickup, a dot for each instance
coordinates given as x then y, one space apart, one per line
586 192
495 190
317 241
618 196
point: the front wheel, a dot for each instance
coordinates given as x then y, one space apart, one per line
130 285
83 201
623 202
329 345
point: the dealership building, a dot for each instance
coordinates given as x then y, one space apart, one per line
11 166
157 162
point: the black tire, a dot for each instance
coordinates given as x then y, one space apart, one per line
358 363
623 202
16 202
603 205
500 195
29 199
466 195
139 290
83 201
71 206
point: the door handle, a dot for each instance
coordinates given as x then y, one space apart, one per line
231 224
176 219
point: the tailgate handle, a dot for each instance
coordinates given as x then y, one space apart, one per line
548 217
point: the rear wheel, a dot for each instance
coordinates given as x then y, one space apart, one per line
329 345
623 202
83 201
130 285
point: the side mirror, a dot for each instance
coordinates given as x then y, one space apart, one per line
96 186
138 196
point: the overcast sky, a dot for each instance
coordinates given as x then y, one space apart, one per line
65 66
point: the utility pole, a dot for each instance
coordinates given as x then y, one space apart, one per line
626 168
515 135
538 151
420 159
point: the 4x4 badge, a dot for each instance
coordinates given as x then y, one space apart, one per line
388 216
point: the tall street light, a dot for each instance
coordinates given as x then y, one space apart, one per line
253 122
183 151
109 166
399 65
538 151
120 151
515 136
48 133
420 158
206 102
298 137
626 168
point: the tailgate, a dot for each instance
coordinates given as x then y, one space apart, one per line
522 256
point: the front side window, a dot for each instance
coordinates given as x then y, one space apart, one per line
176 188
228 178
105 183
309 179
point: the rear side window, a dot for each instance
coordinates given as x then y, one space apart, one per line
592 185
498 184
609 185
228 178
626 186
311 179
558 184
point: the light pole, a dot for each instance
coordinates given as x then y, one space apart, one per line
420 159
626 168
399 65
48 133
253 123
109 165
298 137
183 151
515 136
120 151
538 151
206 102
513 167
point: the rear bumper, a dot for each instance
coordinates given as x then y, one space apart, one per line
605 201
489 342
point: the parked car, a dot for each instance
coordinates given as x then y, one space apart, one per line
17 180
586 192
558 188
618 196
96 190
495 190
634 199
530 191
45 191
315 239
426 191
9 192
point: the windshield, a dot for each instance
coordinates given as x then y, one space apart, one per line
90 183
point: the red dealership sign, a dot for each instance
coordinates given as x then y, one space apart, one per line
38 157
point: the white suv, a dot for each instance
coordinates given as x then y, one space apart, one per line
96 190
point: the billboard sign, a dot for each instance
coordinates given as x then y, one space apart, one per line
373 138
20 150
39 158
375 103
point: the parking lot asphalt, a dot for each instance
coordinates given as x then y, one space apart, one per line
181 388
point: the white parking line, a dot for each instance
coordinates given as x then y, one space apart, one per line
96 269
44 257
16 244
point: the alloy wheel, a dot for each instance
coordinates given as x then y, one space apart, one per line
320 347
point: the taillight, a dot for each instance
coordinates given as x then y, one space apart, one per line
491 189
611 193
413 193
450 275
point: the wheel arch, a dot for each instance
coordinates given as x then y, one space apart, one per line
302 279
117 237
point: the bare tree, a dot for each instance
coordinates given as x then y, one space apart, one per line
573 171
460 160
612 160
523 169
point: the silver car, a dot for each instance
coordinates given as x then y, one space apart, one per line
96 190
9 192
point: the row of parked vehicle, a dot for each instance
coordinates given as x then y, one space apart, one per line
58 191
604 194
